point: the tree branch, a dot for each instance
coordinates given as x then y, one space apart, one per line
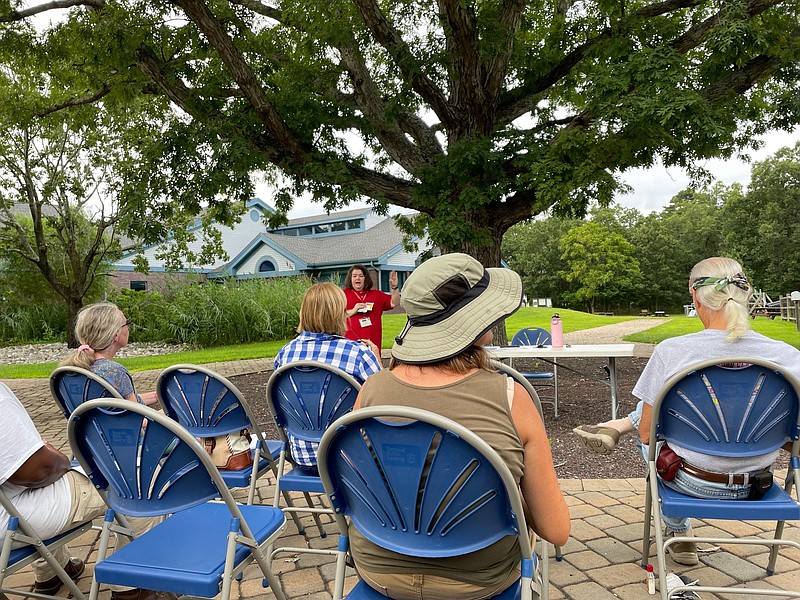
216 35
18 15
388 37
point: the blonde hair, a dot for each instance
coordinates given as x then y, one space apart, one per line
95 327
323 310
472 357
732 299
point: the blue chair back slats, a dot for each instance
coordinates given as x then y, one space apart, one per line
417 488
306 397
72 386
145 467
531 336
730 411
202 401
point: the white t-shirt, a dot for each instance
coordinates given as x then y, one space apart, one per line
46 509
675 354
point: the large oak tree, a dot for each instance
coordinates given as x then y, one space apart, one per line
476 114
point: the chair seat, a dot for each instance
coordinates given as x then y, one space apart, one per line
186 553
362 591
301 479
24 552
776 505
538 375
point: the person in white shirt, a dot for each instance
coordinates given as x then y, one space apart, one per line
40 482
721 295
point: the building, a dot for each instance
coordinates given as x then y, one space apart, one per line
323 247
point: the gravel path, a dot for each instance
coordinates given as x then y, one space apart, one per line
612 334
39 353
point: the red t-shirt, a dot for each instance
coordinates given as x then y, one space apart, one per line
367 325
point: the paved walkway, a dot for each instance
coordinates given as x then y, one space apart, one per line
601 559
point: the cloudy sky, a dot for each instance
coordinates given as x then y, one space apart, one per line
652 188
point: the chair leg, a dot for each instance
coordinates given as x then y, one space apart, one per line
555 389
318 523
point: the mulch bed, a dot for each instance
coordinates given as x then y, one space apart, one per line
581 401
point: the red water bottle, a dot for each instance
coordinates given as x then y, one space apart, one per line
556 332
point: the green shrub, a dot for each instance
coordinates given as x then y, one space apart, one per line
213 314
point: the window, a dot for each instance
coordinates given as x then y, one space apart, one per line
355 224
139 286
304 231
266 266
338 226
321 228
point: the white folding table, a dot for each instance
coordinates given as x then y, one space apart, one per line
550 354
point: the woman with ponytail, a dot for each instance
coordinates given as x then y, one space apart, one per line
102 330
721 293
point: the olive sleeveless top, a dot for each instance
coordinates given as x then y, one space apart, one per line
480 403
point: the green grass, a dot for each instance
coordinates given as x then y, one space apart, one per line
573 320
784 331
393 324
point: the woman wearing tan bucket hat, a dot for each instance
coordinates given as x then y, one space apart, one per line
439 364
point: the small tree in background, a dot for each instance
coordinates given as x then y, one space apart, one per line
601 264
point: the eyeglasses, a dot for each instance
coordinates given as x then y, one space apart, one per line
127 324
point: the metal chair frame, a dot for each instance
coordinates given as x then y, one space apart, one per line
692 410
14 559
145 464
306 410
419 484
538 336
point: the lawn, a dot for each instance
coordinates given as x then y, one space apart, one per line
393 324
784 331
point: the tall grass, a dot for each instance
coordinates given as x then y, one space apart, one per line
34 323
232 312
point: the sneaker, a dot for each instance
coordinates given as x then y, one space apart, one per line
683 553
74 568
597 439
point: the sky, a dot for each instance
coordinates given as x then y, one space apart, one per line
652 188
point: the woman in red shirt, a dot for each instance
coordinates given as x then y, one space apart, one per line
365 306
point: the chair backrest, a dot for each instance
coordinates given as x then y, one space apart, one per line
419 484
520 379
531 336
735 406
307 396
143 462
72 386
203 401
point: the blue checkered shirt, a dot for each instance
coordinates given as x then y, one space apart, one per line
349 356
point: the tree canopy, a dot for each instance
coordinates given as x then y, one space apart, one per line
476 114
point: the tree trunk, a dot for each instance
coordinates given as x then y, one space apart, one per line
74 305
489 256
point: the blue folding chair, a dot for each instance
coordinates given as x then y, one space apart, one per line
305 397
72 386
14 559
145 464
520 379
209 405
537 336
419 484
718 408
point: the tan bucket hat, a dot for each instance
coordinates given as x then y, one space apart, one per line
451 301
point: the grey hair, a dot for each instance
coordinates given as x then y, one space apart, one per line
731 299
